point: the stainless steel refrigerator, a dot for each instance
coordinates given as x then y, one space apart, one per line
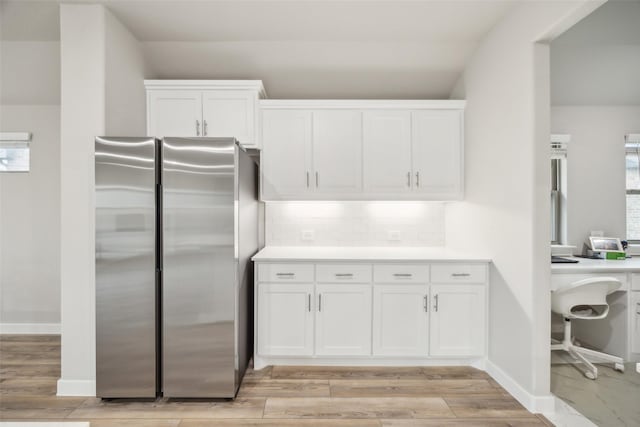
176 225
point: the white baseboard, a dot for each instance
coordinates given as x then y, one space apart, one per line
565 415
535 404
30 328
76 388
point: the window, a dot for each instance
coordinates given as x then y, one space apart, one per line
558 187
632 161
14 151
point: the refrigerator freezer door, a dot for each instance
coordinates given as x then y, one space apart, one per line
199 268
125 176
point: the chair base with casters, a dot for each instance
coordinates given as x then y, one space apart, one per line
585 299
580 353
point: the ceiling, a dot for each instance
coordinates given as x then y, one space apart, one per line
597 62
299 48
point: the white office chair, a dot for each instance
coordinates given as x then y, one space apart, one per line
585 299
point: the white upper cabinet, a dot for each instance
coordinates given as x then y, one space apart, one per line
337 151
387 151
286 164
215 108
436 152
174 113
229 113
363 150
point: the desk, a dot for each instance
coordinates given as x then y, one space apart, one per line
619 332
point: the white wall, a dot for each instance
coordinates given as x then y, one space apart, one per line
29 202
125 73
355 223
505 212
595 167
30 72
93 43
30 224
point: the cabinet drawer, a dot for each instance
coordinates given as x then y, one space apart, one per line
458 273
635 282
401 273
337 273
285 273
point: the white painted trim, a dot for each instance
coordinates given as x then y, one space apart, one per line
15 136
565 415
30 328
254 85
364 104
535 404
45 424
260 362
76 388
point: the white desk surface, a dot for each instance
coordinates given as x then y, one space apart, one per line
364 253
597 266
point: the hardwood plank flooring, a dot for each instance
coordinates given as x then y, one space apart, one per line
287 396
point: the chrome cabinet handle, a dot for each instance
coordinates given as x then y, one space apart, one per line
285 274
426 303
344 274
408 179
402 275
309 298
204 127
460 274
197 127
417 179
307 179
316 179
319 302
638 308
435 306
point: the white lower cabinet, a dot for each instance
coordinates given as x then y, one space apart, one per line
635 322
457 320
400 320
343 320
363 311
285 319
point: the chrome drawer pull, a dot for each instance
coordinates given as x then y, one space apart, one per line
426 303
402 275
460 274
285 274
344 274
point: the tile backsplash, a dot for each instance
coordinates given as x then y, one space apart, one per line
355 223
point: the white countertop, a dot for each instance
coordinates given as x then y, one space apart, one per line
364 253
585 265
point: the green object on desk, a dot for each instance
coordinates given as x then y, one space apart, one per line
616 255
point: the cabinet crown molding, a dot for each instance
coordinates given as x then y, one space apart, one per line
364 104
255 85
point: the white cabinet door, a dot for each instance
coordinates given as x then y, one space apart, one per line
285 319
436 153
457 320
174 113
343 320
337 151
229 113
635 321
286 154
400 320
387 151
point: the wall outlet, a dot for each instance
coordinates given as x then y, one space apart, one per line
308 235
393 236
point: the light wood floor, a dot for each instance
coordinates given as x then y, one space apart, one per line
279 396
